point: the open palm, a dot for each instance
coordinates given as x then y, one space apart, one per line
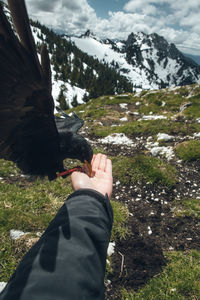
101 181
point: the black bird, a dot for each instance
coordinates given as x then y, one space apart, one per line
30 134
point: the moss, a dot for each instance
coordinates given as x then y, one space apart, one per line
143 168
189 150
187 207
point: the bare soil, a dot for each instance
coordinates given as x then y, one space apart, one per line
154 228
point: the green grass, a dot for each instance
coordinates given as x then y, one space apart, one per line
178 281
150 127
187 207
193 111
120 229
141 168
27 206
7 168
189 150
30 207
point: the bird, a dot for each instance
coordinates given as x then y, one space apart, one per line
30 134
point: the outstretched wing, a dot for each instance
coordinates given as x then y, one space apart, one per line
67 123
28 133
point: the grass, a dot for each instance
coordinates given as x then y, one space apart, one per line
120 229
193 111
150 127
187 207
7 168
178 281
29 206
25 205
189 150
141 168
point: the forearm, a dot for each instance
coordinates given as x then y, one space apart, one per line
68 262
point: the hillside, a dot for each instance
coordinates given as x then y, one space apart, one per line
76 76
148 61
153 139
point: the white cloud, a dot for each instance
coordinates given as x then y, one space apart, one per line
177 21
63 14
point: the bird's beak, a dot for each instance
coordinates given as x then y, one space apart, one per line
89 166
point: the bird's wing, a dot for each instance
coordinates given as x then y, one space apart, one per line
28 133
67 123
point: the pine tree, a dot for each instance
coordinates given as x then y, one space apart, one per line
74 102
62 100
85 98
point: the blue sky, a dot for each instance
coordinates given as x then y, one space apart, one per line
177 21
102 7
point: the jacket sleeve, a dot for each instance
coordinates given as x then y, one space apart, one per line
68 261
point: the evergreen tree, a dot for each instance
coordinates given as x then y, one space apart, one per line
62 100
85 98
74 102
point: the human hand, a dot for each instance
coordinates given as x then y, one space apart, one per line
101 180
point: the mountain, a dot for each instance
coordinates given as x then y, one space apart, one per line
87 67
76 76
147 61
195 58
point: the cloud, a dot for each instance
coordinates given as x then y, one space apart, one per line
69 16
144 6
177 21
45 6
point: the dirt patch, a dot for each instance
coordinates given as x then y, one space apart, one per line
154 229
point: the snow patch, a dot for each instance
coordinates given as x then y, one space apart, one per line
111 248
124 119
152 117
117 139
123 105
164 137
69 92
149 230
197 135
163 151
155 150
16 234
2 285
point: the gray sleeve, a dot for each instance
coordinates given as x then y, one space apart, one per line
68 262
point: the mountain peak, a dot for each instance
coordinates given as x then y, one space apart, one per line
148 61
88 33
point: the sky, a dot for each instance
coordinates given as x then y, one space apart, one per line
178 21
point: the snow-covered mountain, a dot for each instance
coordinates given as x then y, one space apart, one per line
148 61
87 67
76 76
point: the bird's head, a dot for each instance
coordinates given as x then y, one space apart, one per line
72 144
79 149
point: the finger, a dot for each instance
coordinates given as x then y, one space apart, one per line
108 168
93 158
102 164
96 161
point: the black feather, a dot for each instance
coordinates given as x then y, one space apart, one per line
29 133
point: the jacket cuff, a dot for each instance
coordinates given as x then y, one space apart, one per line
104 200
